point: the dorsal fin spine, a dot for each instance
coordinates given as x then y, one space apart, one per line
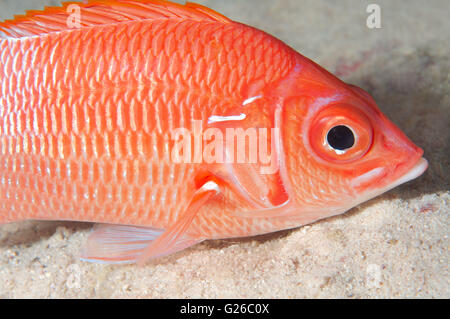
100 12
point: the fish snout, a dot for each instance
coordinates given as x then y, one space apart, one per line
392 160
402 158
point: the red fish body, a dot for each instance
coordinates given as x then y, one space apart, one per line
88 115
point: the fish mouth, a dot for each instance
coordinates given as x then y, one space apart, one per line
418 169
415 171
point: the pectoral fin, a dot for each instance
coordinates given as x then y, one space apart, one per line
114 244
166 243
134 244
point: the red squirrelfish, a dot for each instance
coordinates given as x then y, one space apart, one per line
171 124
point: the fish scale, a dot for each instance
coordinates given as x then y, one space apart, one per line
131 73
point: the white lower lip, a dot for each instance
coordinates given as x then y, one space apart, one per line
413 173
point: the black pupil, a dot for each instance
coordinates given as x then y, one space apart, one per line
340 137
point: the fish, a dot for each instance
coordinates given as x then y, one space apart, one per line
168 124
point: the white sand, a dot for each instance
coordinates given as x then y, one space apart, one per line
394 246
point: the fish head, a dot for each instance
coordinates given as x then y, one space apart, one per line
339 148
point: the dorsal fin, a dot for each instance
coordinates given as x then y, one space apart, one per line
101 12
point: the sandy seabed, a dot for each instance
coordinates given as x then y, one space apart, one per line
394 246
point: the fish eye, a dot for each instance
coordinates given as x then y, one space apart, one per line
340 133
340 137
